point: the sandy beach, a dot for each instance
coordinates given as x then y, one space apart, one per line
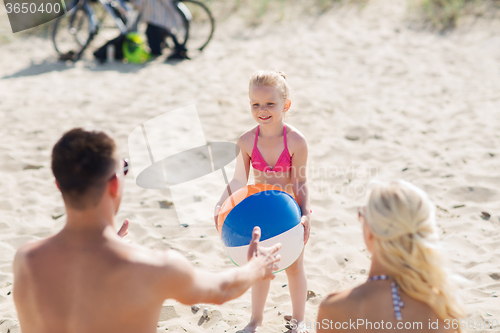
376 96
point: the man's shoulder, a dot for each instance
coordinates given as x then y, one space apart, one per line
169 261
25 254
175 263
30 249
168 271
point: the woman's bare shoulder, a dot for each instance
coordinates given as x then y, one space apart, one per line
346 298
337 300
336 306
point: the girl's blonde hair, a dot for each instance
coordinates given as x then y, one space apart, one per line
402 219
271 79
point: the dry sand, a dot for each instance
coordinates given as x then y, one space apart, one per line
375 97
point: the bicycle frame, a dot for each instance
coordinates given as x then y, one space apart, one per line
125 18
182 7
94 22
118 21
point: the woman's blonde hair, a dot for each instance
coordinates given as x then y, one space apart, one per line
271 79
402 220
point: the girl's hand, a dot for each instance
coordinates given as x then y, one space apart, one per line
216 217
306 222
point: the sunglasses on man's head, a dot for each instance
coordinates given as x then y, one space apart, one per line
125 166
124 169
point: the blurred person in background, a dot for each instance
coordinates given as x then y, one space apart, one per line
163 19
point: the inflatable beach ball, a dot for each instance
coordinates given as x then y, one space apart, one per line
273 210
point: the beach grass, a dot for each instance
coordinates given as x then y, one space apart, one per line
441 15
255 12
445 14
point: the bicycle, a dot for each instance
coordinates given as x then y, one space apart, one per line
74 31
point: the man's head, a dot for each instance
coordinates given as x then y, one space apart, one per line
83 163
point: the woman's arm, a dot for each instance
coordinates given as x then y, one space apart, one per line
240 177
299 183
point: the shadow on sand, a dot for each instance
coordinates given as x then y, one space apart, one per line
48 66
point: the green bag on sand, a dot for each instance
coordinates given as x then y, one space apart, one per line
134 48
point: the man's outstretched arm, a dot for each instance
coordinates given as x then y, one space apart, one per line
190 285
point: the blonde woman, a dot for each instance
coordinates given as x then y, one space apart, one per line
407 288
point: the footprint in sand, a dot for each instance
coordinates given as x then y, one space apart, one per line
356 133
473 193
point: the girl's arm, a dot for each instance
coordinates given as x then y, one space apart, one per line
240 177
299 184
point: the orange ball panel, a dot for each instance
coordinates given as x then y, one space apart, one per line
238 197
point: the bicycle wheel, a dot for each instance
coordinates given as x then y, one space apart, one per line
72 32
198 25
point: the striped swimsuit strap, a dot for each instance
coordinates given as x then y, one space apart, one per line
396 299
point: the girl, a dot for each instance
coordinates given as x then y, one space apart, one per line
278 154
407 283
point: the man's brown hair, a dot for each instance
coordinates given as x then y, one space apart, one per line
81 162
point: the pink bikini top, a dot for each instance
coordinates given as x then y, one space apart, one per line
283 164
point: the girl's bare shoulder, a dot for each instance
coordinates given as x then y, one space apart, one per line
295 139
246 140
294 135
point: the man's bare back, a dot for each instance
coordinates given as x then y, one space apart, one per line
69 283
87 279
63 282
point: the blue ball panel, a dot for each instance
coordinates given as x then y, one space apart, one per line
273 211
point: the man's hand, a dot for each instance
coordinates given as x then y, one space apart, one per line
306 222
124 229
264 257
